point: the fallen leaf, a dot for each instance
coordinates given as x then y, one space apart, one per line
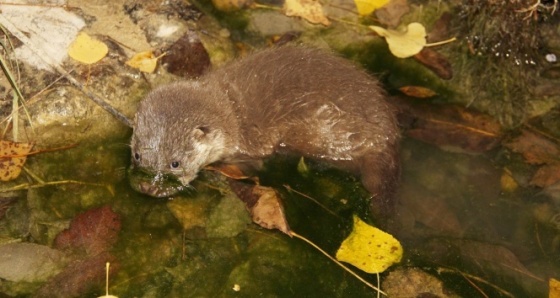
449 126
231 5
546 175
535 148
366 7
12 158
144 61
404 43
29 262
417 91
440 29
435 62
553 288
431 212
264 204
311 10
369 248
92 232
86 49
507 183
187 57
229 170
391 13
79 277
268 211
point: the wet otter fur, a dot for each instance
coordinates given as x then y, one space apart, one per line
288 99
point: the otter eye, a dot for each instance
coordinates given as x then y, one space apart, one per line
174 164
137 156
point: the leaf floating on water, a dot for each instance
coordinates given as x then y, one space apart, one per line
311 10
264 204
553 288
268 211
87 50
366 7
417 91
144 61
12 158
404 44
369 249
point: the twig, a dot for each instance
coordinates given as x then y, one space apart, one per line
455 271
310 198
51 183
338 263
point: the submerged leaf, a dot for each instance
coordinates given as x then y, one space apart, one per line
404 44
12 158
92 232
29 262
369 249
87 49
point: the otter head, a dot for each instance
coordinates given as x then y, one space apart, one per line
179 129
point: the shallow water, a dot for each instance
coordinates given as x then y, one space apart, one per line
454 221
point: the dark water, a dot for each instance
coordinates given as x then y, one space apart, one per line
454 221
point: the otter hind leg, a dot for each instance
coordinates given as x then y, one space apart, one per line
380 173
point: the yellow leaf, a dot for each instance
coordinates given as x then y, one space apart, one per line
366 7
144 61
553 288
12 158
87 50
311 10
369 249
404 44
507 183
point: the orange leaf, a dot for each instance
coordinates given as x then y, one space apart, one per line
12 158
417 91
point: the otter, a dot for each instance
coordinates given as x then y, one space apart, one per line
291 99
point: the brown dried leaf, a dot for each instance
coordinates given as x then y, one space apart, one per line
435 62
535 148
431 212
187 57
391 13
268 211
264 204
92 232
229 170
546 175
417 91
12 158
449 126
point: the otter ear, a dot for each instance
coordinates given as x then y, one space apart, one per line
201 131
